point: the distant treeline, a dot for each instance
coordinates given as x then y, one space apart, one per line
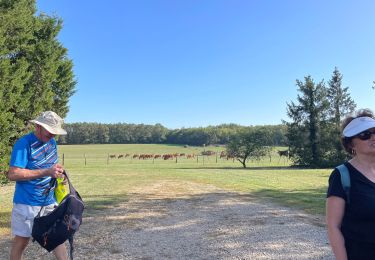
122 133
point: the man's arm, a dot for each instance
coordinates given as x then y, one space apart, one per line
21 174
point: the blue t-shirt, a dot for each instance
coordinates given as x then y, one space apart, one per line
30 153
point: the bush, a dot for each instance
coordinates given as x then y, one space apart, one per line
3 178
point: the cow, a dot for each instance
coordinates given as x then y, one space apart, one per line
168 156
284 153
230 157
145 156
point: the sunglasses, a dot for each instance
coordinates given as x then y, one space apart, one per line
365 135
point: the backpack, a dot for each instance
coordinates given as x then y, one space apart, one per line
60 225
345 180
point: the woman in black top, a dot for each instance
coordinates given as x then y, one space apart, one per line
351 226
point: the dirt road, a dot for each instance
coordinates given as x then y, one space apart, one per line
197 222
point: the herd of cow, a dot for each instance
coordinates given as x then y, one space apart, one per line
221 155
167 156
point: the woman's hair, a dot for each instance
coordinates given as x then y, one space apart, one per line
347 141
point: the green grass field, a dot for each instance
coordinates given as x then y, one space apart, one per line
104 182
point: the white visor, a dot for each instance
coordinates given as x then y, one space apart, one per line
358 125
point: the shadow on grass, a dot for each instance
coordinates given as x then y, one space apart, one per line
94 203
312 201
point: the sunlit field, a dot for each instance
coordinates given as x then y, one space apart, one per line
103 179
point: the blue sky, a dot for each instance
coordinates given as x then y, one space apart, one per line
198 63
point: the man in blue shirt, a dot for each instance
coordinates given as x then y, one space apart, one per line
32 165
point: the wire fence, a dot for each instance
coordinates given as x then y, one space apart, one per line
87 159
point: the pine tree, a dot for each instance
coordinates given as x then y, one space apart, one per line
340 104
308 123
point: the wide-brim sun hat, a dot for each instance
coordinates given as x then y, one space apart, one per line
358 125
51 122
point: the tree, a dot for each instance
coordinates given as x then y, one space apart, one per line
158 133
249 143
340 104
35 73
340 101
52 82
15 23
308 124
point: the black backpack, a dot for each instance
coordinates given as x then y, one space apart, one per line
60 225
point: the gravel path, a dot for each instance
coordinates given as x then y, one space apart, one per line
197 222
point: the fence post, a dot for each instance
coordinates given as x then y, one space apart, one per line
63 161
108 159
85 159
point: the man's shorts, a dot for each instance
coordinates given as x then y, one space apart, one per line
23 218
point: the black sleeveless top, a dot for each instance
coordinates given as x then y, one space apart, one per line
358 223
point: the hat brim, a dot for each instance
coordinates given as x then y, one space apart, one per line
52 130
358 125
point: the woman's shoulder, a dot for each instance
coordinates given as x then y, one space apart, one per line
335 187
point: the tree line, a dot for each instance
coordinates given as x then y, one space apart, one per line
123 133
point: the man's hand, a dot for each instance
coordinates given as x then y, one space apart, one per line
56 171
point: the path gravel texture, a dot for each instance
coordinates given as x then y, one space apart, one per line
197 222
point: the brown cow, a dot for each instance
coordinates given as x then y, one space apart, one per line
167 156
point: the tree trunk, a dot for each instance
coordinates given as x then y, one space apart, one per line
244 163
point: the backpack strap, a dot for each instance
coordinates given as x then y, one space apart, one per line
345 180
71 246
52 184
